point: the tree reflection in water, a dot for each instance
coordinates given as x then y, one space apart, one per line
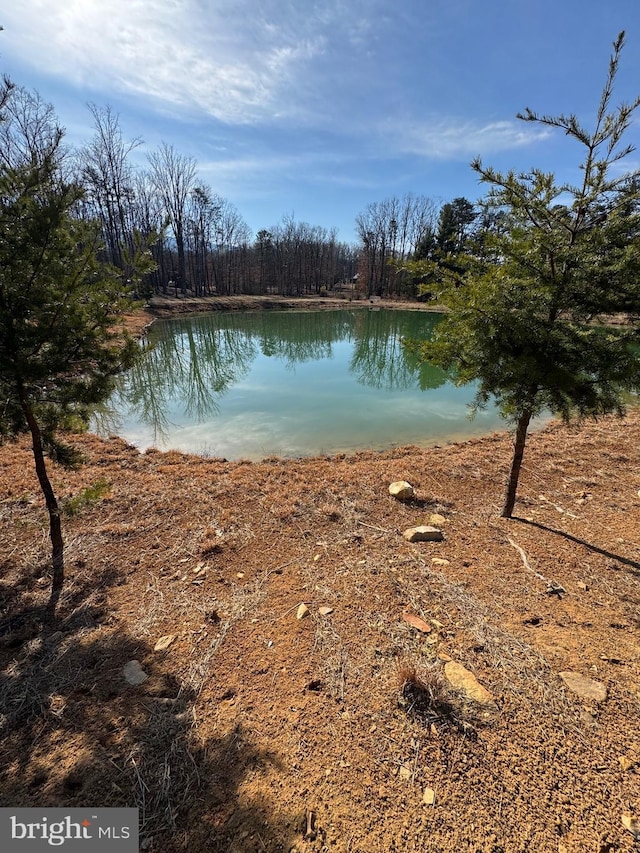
315 362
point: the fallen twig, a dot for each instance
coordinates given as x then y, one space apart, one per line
559 509
310 834
374 527
553 588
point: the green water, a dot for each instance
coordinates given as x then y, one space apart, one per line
250 385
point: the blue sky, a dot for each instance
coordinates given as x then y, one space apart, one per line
318 107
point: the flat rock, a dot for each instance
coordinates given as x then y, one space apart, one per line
423 533
417 623
586 688
466 682
631 824
626 763
428 797
302 611
133 673
437 519
164 642
401 490
325 611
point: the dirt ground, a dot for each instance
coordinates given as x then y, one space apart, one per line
256 730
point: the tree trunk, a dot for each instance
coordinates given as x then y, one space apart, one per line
55 527
182 265
516 463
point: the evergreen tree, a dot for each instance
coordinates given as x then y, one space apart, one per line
526 315
454 222
60 342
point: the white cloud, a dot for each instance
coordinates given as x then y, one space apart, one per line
231 59
265 174
330 65
448 139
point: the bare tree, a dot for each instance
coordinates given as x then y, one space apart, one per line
201 214
231 236
109 181
148 218
389 231
29 129
173 177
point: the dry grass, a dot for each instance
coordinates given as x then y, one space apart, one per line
163 769
426 696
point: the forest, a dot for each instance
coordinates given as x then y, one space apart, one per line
199 242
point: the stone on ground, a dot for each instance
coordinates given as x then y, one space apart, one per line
467 684
401 490
423 533
134 673
586 688
302 611
632 824
429 797
164 642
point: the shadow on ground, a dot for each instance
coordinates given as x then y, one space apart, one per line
74 732
625 561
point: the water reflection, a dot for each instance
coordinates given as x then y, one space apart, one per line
250 384
379 359
298 337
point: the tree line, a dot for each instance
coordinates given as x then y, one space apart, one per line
199 242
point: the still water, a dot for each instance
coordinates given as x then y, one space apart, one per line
250 385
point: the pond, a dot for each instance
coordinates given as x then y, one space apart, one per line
251 385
